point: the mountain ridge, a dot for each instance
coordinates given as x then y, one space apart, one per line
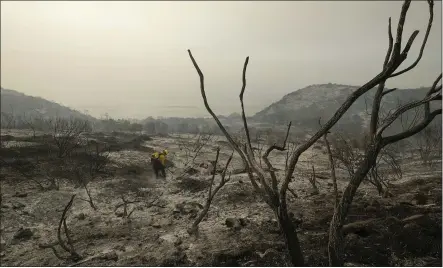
306 105
20 104
303 107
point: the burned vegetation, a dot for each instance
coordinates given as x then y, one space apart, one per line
73 196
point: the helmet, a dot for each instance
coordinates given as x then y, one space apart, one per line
165 152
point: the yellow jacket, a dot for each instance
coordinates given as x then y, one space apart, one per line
159 156
162 158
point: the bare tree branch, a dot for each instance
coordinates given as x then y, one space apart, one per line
400 25
428 30
277 201
403 109
434 93
412 131
312 180
62 244
333 175
211 193
268 163
389 91
69 247
379 94
222 128
245 123
428 144
433 89
52 247
246 160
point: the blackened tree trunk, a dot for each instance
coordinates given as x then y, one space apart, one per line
291 239
336 239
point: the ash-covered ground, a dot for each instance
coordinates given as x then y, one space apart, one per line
401 230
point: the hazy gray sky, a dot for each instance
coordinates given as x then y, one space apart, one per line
129 58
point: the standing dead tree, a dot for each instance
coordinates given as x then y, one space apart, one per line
66 133
267 184
90 164
348 156
428 144
8 120
268 190
212 192
376 140
125 206
67 246
29 122
194 149
153 201
64 138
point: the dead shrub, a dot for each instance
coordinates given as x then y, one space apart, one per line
67 245
7 138
132 169
240 194
192 185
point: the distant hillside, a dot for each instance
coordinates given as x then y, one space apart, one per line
19 104
305 106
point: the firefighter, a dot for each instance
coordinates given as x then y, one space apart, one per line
158 161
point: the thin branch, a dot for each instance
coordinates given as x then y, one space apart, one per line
401 23
268 163
62 244
246 160
130 213
409 43
366 106
220 125
312 180
432 90
211 194
334 119
68 235
379 94
405 108
333 175
125 202
52 247
434 85
214 171
227 165
406 134
388 91
391 41
245 123
428 30
414 120
292 192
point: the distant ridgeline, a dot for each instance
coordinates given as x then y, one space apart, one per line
303 107
19 105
